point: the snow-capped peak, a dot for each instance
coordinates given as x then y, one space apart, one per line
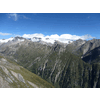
42 40
14 39
6 40
19 38
49 40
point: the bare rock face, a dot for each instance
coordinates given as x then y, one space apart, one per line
18 76
3 83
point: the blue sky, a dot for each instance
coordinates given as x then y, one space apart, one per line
79 24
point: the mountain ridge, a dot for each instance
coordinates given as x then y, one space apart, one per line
61 64
33 39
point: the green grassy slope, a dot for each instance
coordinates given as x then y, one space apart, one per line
16 76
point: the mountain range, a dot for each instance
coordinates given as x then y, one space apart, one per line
74 64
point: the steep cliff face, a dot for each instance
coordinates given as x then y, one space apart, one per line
81 47
96 75
58 66
65 70
93 56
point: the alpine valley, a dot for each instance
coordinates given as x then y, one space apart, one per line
32 62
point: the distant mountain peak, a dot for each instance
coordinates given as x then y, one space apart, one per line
6 40
44 40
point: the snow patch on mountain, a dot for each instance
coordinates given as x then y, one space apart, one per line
64 38
42 40
47 39
21 40
14 39
6 40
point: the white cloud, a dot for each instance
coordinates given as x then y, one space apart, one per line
6 40
24 17
15 16
62 38
85 37
5 33
33 35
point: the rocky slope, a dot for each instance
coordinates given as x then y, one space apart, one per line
14 76
81 47
57 66
64 70
92 56
60 64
